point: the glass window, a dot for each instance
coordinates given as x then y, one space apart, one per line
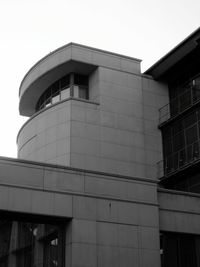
55 99
190 119
80 79
64 81
60 90
65 93
76 91
191 135
83 92
55 88
180 250
22 241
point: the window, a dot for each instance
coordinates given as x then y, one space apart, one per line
181 142
179 250
74 85
31 244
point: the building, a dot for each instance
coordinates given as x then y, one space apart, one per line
102 177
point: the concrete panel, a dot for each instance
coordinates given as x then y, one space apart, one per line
19 200
128 213
84 255
15 174
148 215
84 231
63 180
107 234
102 59
107 210
179 222
120 189
149 238
108 256
149 258
127 236
127 65
81 54
115 256
119 212
84 208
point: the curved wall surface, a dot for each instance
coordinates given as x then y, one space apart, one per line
46 136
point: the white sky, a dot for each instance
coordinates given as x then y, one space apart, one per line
30 29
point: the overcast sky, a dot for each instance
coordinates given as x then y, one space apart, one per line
30 29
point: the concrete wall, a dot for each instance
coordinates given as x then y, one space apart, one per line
155 96
118 133
179 211
115 131
46 136
114 220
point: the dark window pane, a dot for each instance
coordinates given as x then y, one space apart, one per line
167 146
80 79
191 135
178 141
64 81
185 100
30 244
187 251
177 127
170 251
55 88
174 107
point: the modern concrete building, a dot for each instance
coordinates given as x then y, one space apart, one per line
103 178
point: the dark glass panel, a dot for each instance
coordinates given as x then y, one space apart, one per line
170 251
55 88
167 146
177 127
185 100
190 119
191 135
187 256
180 250
178 141
65 81
174 107
30 244
80 79
167 133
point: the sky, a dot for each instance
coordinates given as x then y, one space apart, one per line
30 29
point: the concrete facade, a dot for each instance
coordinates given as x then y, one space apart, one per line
115 131
110 220
91 163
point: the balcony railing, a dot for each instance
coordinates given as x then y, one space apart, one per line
189 97
178 160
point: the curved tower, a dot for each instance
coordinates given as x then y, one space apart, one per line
86 111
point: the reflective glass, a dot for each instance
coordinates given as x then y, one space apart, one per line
55 99
28 244
65 93
76 91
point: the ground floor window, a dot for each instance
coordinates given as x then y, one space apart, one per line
31 243
179 250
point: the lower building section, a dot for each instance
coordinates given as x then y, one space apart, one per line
54 216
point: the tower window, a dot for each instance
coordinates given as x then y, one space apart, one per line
71 85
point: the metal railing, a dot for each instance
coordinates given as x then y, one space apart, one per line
178 160
177 105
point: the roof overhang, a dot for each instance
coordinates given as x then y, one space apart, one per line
161 67
69 58
30 96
